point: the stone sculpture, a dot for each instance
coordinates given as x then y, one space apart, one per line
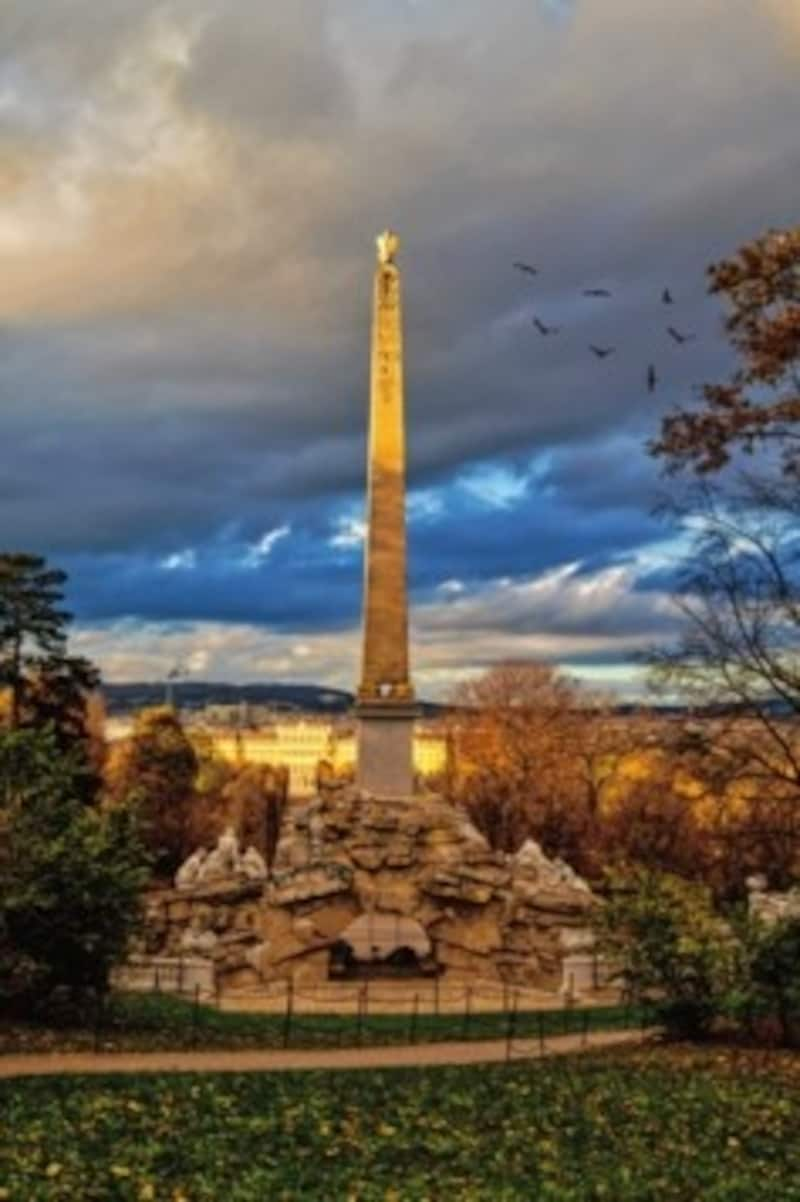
188 874
531 860
198 938
223 861
771 907
253 865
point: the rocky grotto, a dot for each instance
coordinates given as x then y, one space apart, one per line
380 885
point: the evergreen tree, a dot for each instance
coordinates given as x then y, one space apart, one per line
32 626
71 876
45 684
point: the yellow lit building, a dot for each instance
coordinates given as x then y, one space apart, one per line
302 744
298 743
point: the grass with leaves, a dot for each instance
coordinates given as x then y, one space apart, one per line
657 1125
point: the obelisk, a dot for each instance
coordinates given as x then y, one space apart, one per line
385 707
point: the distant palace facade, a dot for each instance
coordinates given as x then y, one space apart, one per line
299 743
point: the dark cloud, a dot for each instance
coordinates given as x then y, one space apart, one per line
190 194
308 581
274 73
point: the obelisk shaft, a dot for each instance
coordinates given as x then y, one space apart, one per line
384 671
385 695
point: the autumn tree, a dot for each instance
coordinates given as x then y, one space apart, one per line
738 585
739 594
249 797
737 657
759 406
655 825
156 768
528 759
536 757
210 813
256 798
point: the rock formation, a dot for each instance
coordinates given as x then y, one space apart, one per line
401 874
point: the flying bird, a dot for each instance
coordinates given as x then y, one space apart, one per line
666 297
596 292
602 351
526 267
678 337
652 378
543 329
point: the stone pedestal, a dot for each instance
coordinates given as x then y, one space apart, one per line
578 975
168 974
385 750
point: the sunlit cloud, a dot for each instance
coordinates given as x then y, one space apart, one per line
560 10
349 534
787 15
257 552
425 505
588 622
180 561
495 486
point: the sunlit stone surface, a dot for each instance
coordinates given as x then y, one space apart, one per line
385 696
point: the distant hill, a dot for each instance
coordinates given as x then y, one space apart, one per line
197 694
318 699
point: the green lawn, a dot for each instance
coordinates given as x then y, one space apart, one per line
157 1022
651 1126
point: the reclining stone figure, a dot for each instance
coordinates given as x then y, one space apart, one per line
188 875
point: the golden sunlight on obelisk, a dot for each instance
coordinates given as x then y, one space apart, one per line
386 709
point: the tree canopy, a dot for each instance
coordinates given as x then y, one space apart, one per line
528 756
156 768
70 876
44 683
760 405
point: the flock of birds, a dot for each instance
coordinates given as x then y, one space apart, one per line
602 352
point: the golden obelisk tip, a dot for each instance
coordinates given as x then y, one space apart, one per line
388 245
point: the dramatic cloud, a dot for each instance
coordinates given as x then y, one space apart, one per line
583 622
188 196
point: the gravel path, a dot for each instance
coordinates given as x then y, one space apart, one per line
401 1056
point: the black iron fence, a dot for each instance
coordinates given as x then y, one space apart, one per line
365 1014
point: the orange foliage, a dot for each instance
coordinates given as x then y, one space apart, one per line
533 757
762 286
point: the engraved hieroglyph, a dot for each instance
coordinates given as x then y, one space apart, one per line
386 708
385 670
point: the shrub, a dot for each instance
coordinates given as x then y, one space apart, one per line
670 945
70 876
775 976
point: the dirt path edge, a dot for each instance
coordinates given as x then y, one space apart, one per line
297 1060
